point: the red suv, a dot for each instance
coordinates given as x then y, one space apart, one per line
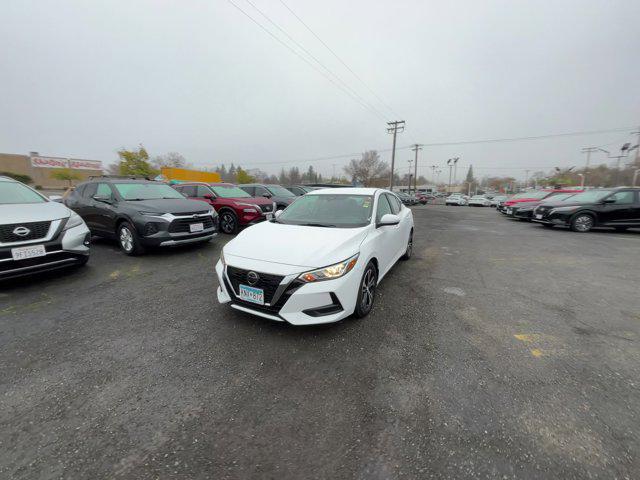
235 207
535 196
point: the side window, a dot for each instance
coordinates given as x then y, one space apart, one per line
623 198
189 191
104 190
89 190
394 202
260 191
250 190
383 207
202 191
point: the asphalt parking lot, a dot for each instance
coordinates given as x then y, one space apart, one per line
500 350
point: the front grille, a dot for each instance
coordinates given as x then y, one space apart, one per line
184 214
271 309
7 267
266 208
36 230
267 282
182 225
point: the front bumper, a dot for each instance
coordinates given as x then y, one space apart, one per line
65 249
298 303
170 231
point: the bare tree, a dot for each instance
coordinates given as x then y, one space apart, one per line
171 159
368 170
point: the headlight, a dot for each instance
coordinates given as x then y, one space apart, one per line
564 209
329 273
222 258
74 221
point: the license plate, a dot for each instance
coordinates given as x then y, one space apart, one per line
509 211
252 294
539 217
196 227
22 253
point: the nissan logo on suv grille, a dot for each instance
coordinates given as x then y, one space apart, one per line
21 231
252 278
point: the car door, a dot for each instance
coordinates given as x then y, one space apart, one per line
103 212
205 194
620 211
635 217
404 228
387 236
86 205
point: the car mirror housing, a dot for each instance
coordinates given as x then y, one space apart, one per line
388 219
609 200
278 213
55 198
209 196
266 195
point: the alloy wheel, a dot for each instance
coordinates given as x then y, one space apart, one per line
368 290
227 223
583 223
126 239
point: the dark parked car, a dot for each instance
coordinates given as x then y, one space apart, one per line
406 199
299 190
280 195
611 207
235 207
141 213
524 211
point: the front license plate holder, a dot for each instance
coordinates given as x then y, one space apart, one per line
252 294
32 251
539 217
196 227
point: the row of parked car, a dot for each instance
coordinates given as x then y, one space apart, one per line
317 261
458 199
579 210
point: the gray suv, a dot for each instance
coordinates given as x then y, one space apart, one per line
37 234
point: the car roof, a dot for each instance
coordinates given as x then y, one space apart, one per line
107 179
347 191
8 179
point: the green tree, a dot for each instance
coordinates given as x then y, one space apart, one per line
66 175
243 177
136 162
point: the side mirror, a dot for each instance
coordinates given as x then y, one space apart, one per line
609 200
266 195
278 213
102 198
55 198
388 219
209 196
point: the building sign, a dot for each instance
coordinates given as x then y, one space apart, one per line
56 162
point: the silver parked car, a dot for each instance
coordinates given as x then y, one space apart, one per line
36 233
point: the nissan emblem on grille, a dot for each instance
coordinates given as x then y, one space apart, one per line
21 231
252 278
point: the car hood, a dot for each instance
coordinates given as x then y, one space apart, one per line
562 204
308 247
521 200
252 200
168 205
32 212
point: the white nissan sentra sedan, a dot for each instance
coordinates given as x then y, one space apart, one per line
318 261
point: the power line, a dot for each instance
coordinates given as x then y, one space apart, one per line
301 57
302 47
341 60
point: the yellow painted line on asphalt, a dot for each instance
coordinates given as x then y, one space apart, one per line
114 275
536 352
527 337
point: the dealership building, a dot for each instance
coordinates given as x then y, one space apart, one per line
41 168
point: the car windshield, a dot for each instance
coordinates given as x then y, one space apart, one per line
14 193
331 210
229 191
591 196
146 191
279 191
536 194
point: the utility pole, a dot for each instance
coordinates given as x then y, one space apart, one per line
415 148
409 162
394 127
526 178
450 168
455 169
588 151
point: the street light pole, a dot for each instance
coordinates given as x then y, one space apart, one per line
450 169
581 180
409 162
635 177
394 127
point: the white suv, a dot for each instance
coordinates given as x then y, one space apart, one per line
36 233
456 199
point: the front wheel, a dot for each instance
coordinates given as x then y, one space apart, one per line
228 222
128 239
409 250
366 292
582 223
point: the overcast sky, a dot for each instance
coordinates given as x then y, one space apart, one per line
84 79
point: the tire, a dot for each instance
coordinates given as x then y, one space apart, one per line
582 223
128 239
366 291
621 229
409 250
228 222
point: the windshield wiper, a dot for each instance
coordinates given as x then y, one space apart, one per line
317 225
